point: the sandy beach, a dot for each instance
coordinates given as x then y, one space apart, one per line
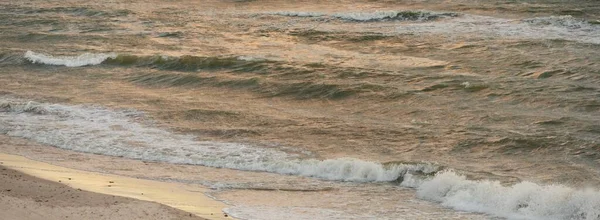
26 197
36 190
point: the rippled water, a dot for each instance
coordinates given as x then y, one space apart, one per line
346 110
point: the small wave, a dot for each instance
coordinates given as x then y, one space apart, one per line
85 59
566 21
543 28
11 59
392 15
182 63
373 16
299 90
77 11
187 62
525 200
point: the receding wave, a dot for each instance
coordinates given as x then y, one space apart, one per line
85 59
94 129
373 16
115 133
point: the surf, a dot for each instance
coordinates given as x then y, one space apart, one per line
127 133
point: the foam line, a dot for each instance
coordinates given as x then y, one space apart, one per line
118 133
524 200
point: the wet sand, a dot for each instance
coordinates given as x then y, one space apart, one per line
30 198
36 190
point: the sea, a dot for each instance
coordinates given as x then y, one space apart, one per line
380 109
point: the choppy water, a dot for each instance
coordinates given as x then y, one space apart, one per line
390 113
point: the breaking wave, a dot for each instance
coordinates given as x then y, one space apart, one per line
524 200
125 133
85 59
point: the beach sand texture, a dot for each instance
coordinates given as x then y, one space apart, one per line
36 190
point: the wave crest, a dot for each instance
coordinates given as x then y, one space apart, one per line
373 16
524 200
19 107
187 62
393 15
85 59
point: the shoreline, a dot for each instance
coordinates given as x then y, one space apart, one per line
187 198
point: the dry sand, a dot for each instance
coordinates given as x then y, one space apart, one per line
36 190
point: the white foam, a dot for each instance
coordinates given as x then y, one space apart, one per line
386 15
366 16
544 28
250 58
524 200
123 133
362 16
85 59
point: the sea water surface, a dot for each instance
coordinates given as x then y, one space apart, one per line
337 111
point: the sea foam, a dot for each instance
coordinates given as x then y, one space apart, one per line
524 200
370 16
85 59
540 28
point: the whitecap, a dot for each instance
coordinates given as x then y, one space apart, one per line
85 59
524 200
